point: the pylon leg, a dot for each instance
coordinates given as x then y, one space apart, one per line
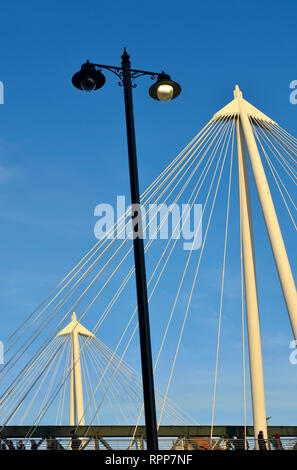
270 217
78 390
251 297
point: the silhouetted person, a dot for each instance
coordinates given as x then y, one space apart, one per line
9 445
54 443
75 442
261 441
277 443
21 446
35 445
3 447
51 443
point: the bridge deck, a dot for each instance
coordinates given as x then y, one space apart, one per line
128 431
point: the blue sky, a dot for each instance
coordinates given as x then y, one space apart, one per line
62 152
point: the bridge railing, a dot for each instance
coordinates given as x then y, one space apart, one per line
180 444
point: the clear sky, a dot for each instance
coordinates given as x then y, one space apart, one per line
62 152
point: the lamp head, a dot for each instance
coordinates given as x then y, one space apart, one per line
164 89
88 78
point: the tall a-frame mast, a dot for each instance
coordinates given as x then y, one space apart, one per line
243 111
76 411
269 213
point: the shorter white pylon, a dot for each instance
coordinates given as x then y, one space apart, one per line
76 411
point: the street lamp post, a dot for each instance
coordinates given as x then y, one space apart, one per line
90 78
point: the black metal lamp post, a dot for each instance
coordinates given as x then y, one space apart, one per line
90 78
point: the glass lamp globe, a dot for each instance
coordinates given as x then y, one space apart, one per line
164 89
165 92
88 84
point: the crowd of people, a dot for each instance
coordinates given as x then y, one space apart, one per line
51 443
241 443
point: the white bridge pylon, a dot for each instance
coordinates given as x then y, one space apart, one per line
244 112
76 411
